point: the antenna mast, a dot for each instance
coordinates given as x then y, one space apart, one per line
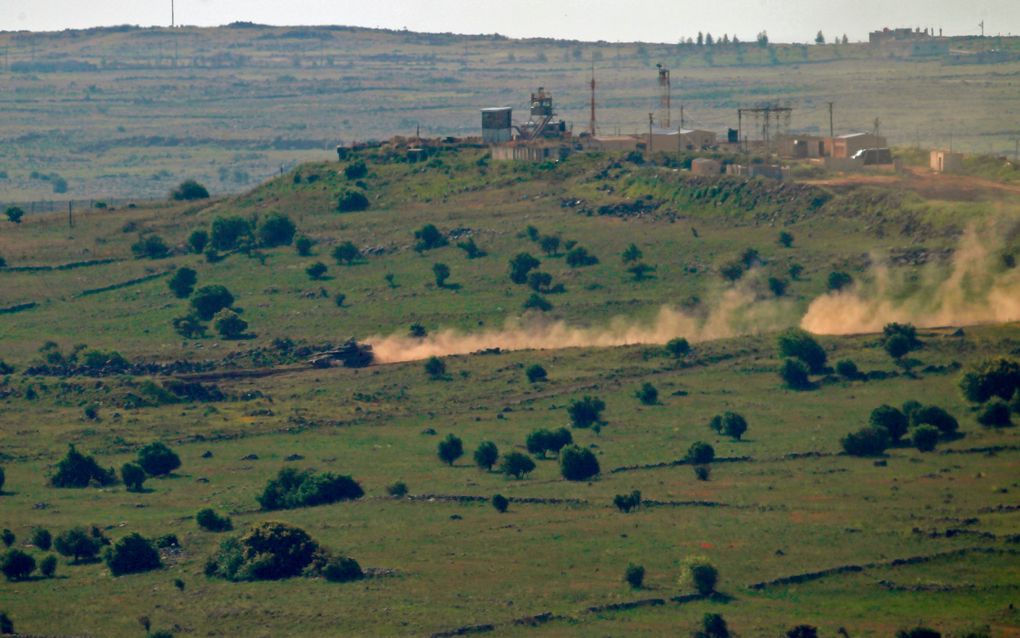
665 95
172 16
591 123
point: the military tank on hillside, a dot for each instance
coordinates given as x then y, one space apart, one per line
350 354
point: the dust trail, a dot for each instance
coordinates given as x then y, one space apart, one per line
736 311
978 288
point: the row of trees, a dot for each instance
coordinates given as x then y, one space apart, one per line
576 463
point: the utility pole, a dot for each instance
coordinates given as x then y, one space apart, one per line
831 128
650 120
982 25
591 121
173 20
70 220
681 115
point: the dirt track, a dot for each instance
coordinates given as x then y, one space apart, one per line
926 183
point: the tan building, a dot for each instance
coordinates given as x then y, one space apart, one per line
946 162
705 166
693 139
847 145
614 143
802 146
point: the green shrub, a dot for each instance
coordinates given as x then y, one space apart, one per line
190 190
352 200
450 449
794 374
208 300
731 271
78 544
934 415
189 326
579 257
41 538
925 438
634 575
537 302
800 345
14 214
303 245
678 347
48 566
268 551
516 464
356 169
847 369
78 470
292 488
133 476
131 555
429 237
897 346
894 422
316 271
839 280
785 239
869 441
998 377
626 502
17 565
346 253
342 569
435 367
802 631
586 411
183 282
699 574
150 247
471 249
8 537
486 455
6 624
442 273
536 373
700 453
729 424
539 281
209 520
500 502
157 459
276 230
520 266
229 233
197 241
713 626
397 489
578 463
229 324
647 394
995 413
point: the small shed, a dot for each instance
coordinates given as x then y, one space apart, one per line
946 162
705 166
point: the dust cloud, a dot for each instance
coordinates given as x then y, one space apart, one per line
977 287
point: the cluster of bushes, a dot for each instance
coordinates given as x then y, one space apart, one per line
576 463
888 425
209 303
802 356
293 488
273 551
729 424
995 386
131 554
542 441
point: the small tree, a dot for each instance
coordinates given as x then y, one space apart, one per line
303 245
450 449
870 441
678 347
133 476
516 464
356 169
631 254
486 455
189 326
352 200
8 537
777 286
578 463
157 459
785 239
17 565
839 280
536 373
647 394
42 538
48 566
537 302
539 281
442 273
925 438
77 543
209 520
197 241
550 244
189 190
208 300
995 414
131 555
520 266
800 345
698 573
700 453
397 489
183 282
897 346
731 271
803 631
14 214
276 229
500 502
429 237
634 575
418 331
579 257
78 470
231 232
229 324
892 420
347 253
934 415
316 271
820 38
151 247
847 369
729 424
586 412
435 367
713 626
794 374
626 502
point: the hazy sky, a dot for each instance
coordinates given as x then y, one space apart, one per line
612 20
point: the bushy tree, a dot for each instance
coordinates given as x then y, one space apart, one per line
303 245
537 302
208 300
516 464
78 544
839 280
486 455
276 229
634 575
190 190
785 239
429 237
157 459
539 281
897 346
78 470
536 373
800 345
352 200
8 537
189 326
435 367
293 488
151 247
197 241
934 415
631 254
209 520
133 476
500 503
647 394
626 502
347 253
441 272
182 283
578 463
14 214
729 424
316 271
698 573
356 169
229 324
41 538
713 626
17 565
925 438
700 453
869 441
678 347
998 377
231 232
550 244
268 551
891 420
6 624
802 631
397 489
48 566
132 554
579 257
586 411
342 569
541 441
847 369
520 266
995 413
450 449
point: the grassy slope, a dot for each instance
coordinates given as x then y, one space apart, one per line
821 512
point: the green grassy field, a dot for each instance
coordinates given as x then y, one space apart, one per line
788 504
232 105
